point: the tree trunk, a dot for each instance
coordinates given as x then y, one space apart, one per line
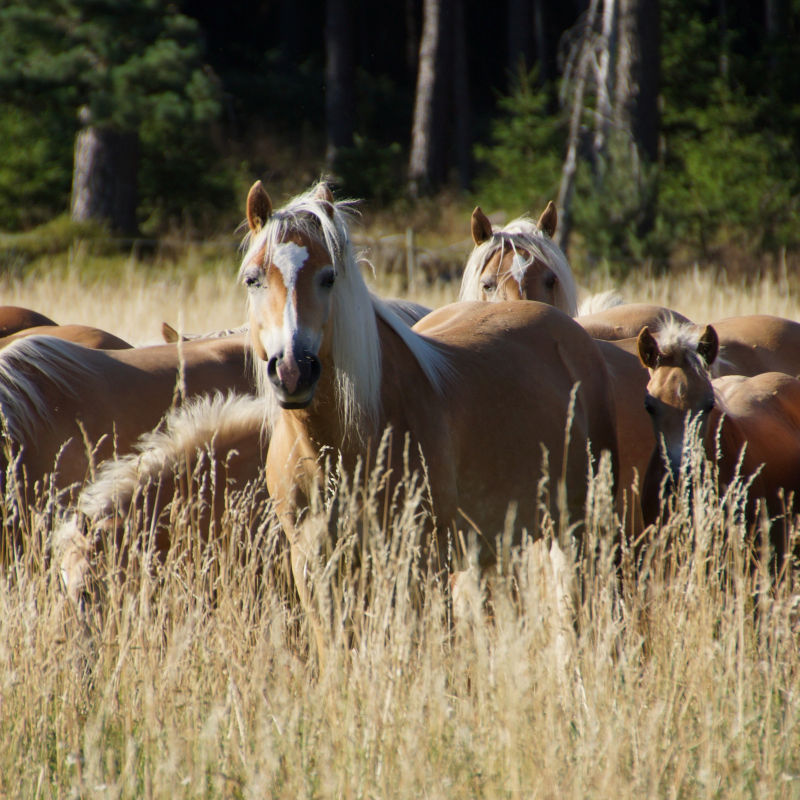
104 180
429 129
461 100
638 67
340 78
580 71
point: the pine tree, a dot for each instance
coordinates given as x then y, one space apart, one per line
110 69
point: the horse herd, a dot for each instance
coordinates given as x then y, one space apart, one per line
486 396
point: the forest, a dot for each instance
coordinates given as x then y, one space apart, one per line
667 130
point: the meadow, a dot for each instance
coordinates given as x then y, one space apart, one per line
675 677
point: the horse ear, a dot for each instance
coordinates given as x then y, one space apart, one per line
259 207
169 334
648 348
708 345
549 219
481 227
325 194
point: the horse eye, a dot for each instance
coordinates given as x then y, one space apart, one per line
489 285
252 279
550 281
649 405
327 279
708 406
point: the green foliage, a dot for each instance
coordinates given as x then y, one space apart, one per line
726 175
522 165
613 205
132 64
35 173
370 171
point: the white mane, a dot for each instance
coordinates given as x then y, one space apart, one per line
193 426
522 233
354 310
23 365
681 338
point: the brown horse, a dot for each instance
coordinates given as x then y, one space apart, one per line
67 407
338 368
84 335
16 318
756 420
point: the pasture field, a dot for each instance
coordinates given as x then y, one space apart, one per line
681 678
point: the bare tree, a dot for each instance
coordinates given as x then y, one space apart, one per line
425 165
613 61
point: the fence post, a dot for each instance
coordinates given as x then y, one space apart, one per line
410 259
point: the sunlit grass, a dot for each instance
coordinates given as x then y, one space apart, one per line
678 676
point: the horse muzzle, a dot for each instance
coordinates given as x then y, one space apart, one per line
294 378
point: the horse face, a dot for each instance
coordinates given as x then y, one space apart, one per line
516 275
290 301
676 396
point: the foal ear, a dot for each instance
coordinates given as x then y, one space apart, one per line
648 348
324 193
481 227
548 219
708 345
259 207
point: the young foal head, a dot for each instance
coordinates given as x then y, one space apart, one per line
519 262
680 388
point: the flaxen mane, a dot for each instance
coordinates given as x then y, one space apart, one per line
354 311
521 234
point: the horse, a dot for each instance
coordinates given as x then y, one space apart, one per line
67 407
519 262
16 318
757 343
755 419
85 335
205 455
478 391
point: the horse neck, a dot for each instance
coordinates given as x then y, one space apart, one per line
404 390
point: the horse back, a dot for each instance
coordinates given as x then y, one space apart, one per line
515 366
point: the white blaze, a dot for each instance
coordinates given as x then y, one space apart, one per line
288 258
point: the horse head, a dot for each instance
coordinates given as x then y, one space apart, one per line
679 391
518 262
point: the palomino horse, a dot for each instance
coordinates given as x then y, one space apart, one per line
756 419
479 389
84 335
519 262
67 406
16 318
205 456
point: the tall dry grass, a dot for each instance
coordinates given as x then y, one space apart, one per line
194 677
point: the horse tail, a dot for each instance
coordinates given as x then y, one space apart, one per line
27 367
601 301
205 424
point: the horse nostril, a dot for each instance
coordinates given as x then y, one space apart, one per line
272 367
314 368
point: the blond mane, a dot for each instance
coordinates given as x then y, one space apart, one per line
521 234
354 310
